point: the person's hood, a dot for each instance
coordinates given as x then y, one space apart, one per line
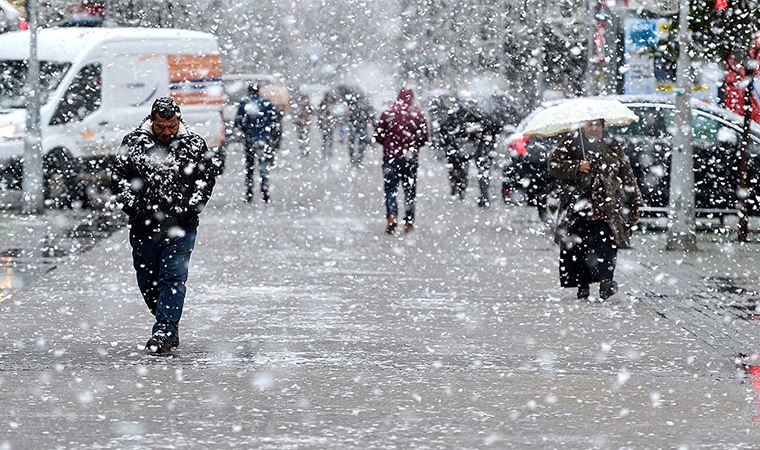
405 97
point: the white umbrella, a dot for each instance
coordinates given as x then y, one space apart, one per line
573 113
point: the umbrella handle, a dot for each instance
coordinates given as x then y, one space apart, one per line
583 146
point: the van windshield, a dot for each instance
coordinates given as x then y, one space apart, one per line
13 77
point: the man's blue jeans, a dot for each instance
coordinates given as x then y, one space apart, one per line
161 265
404 171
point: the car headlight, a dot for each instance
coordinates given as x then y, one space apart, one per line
9 131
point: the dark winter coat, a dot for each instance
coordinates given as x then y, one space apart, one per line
303 111
359 110
159 186
456 129
402 129
326 119
258 119
609 191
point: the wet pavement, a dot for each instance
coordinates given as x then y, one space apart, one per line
31 246
306 326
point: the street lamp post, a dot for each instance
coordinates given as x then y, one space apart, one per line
591 75
682 234
32 182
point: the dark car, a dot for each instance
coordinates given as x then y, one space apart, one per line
717 135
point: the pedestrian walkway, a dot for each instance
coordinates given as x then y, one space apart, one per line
306 326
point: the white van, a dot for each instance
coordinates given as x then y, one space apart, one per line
99 83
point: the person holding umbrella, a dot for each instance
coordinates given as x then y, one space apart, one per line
599 202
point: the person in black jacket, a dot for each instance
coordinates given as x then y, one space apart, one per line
261 125
163 177
452 137
360 117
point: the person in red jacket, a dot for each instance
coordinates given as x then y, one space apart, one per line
401 130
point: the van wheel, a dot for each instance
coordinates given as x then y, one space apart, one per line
61 171
547 205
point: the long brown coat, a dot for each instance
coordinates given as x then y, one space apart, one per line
610 187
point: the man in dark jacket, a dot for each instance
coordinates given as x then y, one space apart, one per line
163 177
401 130
302 112
259 121
327 121
359 118
454 137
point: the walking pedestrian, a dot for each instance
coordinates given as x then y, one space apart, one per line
327 121
453 140
163 176
488 116
303 112
599 205
401 130
259 121
359 119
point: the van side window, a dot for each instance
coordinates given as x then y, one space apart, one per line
82 98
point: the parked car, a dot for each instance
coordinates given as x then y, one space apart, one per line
97 84
648 143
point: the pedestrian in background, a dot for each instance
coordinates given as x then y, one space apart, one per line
302 119
327 121
360 118
599 205
401 130
163 176
260 123
453 139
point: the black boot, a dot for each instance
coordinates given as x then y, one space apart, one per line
161 343
607 289
583 292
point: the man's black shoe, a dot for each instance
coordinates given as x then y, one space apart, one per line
583 292
607 289
161 344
